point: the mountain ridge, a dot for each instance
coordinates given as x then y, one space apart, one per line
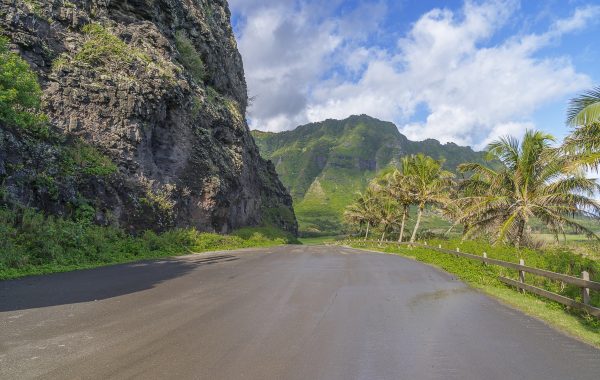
323 164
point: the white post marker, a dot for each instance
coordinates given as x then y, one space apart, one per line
522 274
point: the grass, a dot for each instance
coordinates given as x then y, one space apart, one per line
318 240
102 47
33 243
484 278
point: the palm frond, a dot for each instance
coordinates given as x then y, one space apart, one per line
585 108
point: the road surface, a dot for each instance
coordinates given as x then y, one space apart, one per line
281 313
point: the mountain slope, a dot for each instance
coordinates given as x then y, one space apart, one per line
156 87
324 164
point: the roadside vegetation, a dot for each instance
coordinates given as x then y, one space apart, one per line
33 243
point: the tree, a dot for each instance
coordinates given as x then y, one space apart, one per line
363 210
386 208
584 109
583 144
535 181
398 188
428 182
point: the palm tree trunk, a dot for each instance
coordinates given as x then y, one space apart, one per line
520 233
420 213
402 226
367 234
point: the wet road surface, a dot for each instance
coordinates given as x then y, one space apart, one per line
280 313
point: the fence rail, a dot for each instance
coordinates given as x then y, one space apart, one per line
584 282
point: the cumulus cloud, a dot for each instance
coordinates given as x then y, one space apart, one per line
288 48
474 85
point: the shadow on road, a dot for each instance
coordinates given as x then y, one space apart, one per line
96 284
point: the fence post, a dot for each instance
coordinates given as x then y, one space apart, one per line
585 291
485 257
522 274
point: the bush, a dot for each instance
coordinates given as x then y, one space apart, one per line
189 57
20 92
84 158
33 243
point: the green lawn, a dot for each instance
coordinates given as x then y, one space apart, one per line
557 259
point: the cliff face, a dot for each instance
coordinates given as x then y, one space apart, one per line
158 87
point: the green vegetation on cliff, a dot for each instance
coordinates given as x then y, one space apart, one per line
19 91
324 164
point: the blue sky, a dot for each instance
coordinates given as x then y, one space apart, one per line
462 71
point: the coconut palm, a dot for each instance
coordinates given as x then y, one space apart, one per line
584 109
387 214
583 144
398 187
363 210
534 181
387 210
428 182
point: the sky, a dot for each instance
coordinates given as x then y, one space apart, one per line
460 71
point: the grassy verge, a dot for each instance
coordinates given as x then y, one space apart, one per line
318 240
484 278
32 243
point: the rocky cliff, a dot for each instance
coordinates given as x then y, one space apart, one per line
157 88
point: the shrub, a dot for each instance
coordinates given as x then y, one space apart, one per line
33 243
84 158
20 92
189 57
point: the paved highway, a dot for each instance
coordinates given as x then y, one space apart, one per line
281 313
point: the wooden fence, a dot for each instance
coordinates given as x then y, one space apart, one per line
583 283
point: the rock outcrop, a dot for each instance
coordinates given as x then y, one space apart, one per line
158 87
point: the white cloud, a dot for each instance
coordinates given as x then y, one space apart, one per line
474 85
287 47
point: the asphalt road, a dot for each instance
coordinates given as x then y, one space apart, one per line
282 313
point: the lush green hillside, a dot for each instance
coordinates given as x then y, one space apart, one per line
324 164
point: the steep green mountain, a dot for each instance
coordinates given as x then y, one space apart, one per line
324 164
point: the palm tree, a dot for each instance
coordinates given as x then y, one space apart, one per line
363 210
398 187
387 209
429 184
534 181
584 109
583 144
